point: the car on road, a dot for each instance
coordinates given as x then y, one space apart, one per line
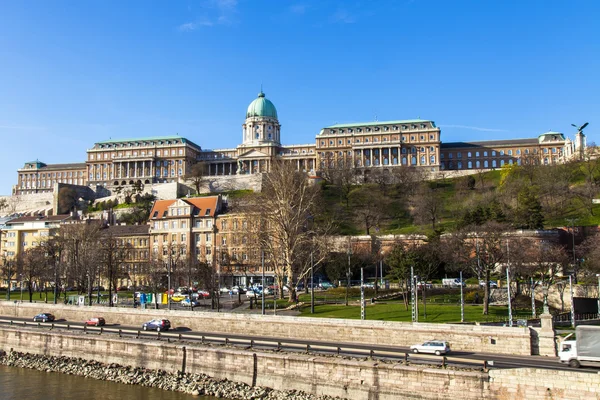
157 325
437 347
43 317
95 321
190 302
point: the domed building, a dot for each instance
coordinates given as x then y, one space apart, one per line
261 143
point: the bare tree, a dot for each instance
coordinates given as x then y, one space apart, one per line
114 252
290 217
30 264
427 205
197 174
369 206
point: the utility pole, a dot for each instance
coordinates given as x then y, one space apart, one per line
415 317
572 304
510 318
363 315
262 257
462 300
532 298
348 273
312 285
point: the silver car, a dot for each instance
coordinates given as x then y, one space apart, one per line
437 347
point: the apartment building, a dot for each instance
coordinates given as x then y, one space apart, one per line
136 240
23 233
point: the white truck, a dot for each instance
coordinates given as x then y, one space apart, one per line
584 350
451 282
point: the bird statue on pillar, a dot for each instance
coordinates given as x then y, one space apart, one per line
580 140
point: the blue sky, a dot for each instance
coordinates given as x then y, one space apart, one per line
74 73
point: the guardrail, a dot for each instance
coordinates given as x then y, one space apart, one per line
277 344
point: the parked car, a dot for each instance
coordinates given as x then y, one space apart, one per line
95 321
251 294
437 347
268 291
493 284
43 317
157 325
224 289
177 297
326 285
190 302
238 289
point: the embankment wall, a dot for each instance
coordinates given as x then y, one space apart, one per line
476 338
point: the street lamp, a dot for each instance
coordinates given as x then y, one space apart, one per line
598 276
381 271
312 284
262 257
7 267
348 276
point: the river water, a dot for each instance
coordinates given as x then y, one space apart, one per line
22 383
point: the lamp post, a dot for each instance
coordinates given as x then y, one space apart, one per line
312 285
510 317
381 271
262 258
7 267
348 276
572 304
363 315
598 276
532 298
462 300
56 261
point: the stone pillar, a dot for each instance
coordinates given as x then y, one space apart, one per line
546 337
371 157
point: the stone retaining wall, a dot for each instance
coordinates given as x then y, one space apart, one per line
534 384
333 376
317 375
490 339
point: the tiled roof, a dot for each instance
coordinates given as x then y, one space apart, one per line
490 143
127 230
201 204
204 203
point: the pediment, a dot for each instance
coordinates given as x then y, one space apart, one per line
253 154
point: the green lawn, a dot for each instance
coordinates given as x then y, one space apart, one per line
395 311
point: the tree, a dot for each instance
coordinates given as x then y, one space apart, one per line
289 215
197 174
30 264
529 213
480 248
113 253
402 257
3 205
427 205
368 206
67 200
342 175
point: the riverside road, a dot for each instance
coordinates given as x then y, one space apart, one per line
392 353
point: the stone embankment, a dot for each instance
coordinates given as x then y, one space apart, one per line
194 384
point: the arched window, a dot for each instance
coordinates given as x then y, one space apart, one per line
395 160
423 160
432 159
502 163
413 160
459 164
518 161
403 160
469 164
485 164
477 164
510 162
404 150
493 163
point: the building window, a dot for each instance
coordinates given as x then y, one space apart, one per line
469 154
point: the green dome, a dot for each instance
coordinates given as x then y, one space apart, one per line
261 107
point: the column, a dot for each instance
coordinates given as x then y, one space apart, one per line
371 157
231 168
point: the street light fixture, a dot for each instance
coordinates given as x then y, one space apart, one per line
545 293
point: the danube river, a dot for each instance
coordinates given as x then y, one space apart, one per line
22 383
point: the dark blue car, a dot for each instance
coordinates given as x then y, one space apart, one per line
43 317
157 325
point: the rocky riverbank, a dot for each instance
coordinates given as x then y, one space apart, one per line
194 384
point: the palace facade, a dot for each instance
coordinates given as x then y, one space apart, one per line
364 146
